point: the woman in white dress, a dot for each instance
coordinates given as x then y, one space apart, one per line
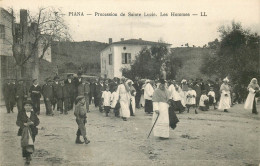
251 99
225 99
124 99
160 99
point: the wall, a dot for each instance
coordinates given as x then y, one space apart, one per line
107 69
118 50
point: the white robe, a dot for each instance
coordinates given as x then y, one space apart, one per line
250 99
114 99
225 101
191 97
148 91
124 99
161 128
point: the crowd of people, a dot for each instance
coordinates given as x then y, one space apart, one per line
121 97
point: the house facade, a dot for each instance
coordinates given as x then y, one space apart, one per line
120 55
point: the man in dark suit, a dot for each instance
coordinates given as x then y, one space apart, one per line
35 93
55 86
47 92
9 95
99 89
138 88
70 84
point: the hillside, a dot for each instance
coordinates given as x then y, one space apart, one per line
192 60
69 56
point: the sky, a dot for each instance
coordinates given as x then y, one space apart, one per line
176 30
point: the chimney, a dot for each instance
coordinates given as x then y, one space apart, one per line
122 39
23 24
110 40
140 38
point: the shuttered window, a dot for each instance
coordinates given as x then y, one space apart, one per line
126 58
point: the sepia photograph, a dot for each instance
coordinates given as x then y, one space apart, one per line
129 83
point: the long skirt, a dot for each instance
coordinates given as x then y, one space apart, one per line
148 106
124 110
224 102
161 128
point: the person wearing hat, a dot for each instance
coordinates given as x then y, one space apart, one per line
55 99
21 94
81 119
70 84
35 93
28 121
225 99
47 92
9 95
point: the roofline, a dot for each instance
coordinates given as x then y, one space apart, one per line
7 12
136 44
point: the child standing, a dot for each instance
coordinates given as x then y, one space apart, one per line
212 98
204 100
115 102
106 100
191 99
81 119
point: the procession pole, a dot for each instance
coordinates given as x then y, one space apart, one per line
153 125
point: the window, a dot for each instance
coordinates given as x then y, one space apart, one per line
2 32
126 58
110 59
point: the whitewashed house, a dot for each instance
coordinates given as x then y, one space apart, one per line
121 54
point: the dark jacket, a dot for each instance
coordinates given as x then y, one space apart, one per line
70 87
21 91
83 90
9 92
47 91
22 118
35 92
55 86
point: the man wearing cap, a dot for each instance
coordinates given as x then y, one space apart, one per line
81 119
21 94
35 93
47 92
9 95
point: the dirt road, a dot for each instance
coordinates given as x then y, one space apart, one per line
206 139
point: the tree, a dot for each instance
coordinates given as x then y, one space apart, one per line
237 55
148 62
32 42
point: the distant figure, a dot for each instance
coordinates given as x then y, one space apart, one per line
225 99
106 100
21 94
148 94
124 99
204 100
35 91
9 95
163 72
254 92
47 92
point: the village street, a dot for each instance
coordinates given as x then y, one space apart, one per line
208 138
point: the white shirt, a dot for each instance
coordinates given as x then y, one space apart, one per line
106 95
202 99
28 114
174 94
148 91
